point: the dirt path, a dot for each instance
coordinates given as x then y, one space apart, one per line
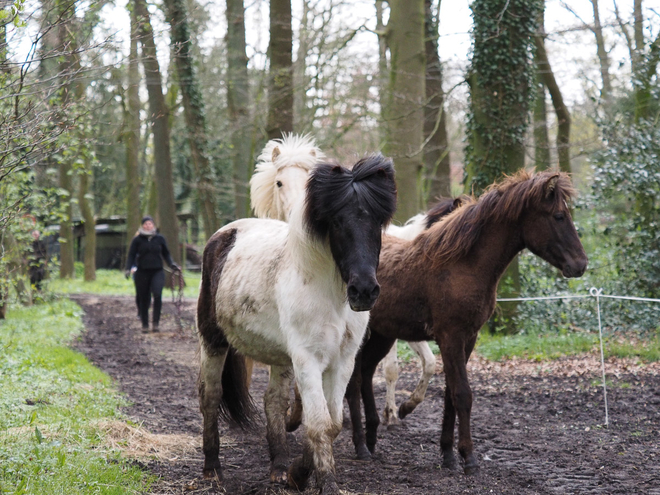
536 430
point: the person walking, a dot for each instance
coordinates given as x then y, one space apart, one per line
145 261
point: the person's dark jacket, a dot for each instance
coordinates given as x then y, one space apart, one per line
147 253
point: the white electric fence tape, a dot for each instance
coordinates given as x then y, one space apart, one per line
597 293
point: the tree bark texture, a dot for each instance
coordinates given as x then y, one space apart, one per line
193 110
405 109
383 73
132 137
561 110
238 102
280 87
158 115
89 259
540 122
603 58
66 13
436 150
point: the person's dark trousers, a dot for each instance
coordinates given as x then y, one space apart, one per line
148 282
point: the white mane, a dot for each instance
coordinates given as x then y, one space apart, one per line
292 150
409 230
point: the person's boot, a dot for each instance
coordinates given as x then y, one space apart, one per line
154 327
145 329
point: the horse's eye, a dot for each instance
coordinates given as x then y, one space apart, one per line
559 217
279 183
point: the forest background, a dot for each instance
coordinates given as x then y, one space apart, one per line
122 109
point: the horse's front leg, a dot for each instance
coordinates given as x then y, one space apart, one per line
276 401
210 396
459 395
320 429
354 400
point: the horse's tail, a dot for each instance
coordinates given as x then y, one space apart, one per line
237 405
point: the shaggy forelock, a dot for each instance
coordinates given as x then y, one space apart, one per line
294 151
455 235
330 187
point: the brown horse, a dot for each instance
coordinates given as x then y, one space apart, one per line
442 285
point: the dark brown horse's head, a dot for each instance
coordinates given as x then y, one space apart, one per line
547 227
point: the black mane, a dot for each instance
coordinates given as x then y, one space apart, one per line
443 207
330 187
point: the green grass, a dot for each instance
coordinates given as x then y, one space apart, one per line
542 347
113 283
51 400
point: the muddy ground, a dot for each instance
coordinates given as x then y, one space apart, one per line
537 427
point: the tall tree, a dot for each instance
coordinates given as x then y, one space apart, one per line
405 109
66 15
280 82
89 222
501 79
193 110
159 115
540 115
238 101
132 135
561 110
436 149
603 57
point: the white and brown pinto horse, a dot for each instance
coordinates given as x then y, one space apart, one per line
294 296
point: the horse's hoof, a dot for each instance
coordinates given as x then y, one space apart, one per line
390 418
471 469
212 474
328 484
298 475
363 453
371 447
405 409
449 461
279 476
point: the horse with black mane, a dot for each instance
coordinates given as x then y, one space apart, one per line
442 286
294 295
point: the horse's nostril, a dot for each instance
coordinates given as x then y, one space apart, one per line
375 292
352 292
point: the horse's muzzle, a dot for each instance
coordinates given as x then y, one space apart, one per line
575 268
362 297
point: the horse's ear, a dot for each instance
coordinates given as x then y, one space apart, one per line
313 153
276 152
337 169
458 202
550 185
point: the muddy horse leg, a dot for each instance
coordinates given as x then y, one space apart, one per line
276 401
374 350
354 400
391 372
295 419
458 402
428 369
210 396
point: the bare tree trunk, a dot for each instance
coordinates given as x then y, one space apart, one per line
238 101
280 87
405 114
159 115
300 79
4 67
383 74
603 58
132 136
563 115
89 222
193 110
540 122
66 12
436 151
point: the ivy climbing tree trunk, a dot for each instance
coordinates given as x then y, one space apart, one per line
501 79
132 136
436 150
405 109
158 115
238 101
193 110
280 82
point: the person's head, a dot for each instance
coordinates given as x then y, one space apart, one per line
36 234
148 223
